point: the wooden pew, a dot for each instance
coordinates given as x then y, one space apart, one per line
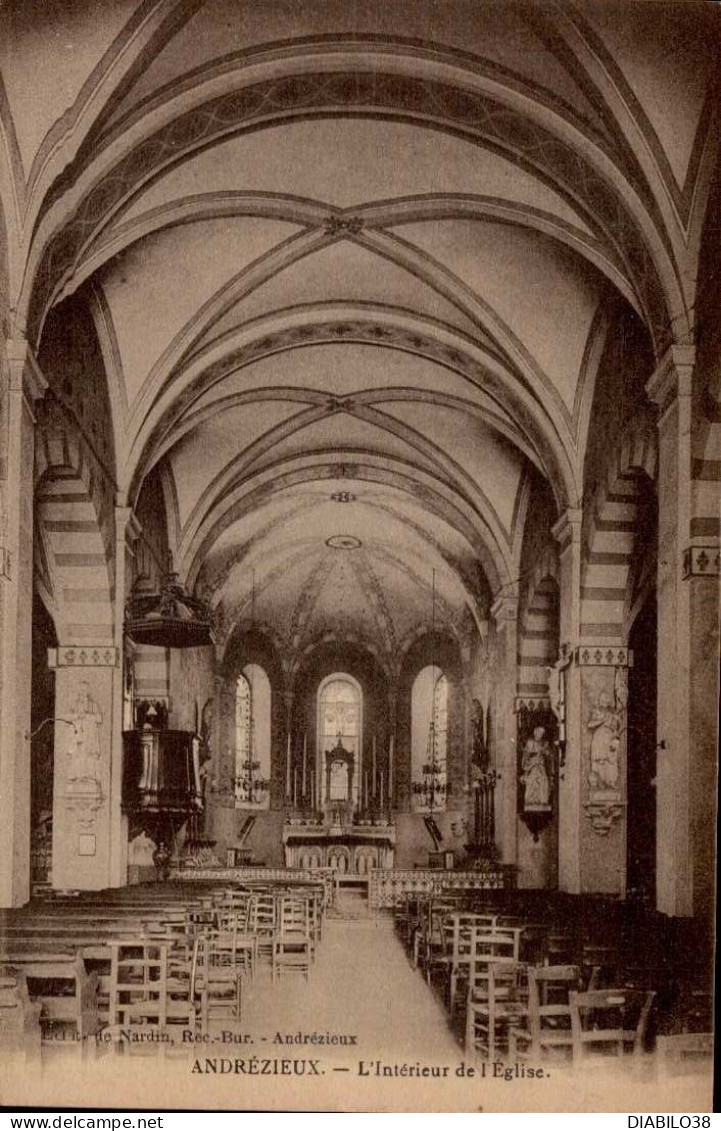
20 1032
67 993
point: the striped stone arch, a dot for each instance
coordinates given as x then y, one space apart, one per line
538 631
706 466
75 537
611 537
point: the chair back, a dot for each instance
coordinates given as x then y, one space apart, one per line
609 1022
488 947
549 1010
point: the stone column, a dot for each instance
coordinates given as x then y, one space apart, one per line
688 635
504 613
567 532
600 677
23 385
127 530
592 777
86 802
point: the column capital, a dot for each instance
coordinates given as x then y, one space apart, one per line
505 609
567 528
672 376
127 526
25 375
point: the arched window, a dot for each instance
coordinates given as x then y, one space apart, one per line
340 707
252 738
429 740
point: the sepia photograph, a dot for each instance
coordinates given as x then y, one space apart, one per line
360 502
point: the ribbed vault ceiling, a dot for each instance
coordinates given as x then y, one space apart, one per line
351 266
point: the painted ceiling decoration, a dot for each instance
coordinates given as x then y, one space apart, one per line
353 270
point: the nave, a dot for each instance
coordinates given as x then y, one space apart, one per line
453 996
360 445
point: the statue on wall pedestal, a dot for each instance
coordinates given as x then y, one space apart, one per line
479 743
538 758
535 771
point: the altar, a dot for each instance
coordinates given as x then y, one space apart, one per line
347 849
349 833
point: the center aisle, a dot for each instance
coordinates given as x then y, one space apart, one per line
361 985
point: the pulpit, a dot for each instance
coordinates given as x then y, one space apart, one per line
162 785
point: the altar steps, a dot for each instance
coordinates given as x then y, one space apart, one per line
349 904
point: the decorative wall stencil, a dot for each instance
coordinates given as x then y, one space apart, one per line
84 753
603 657
701 561
83 792
607 724
79 657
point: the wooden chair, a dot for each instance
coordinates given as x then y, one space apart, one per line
293 943
263 920
230 921
487 948
459 928
216 978
291 952
491 1022
428 944
609 1022
417 910
549 1012
150 990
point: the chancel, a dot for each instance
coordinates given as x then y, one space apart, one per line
360 443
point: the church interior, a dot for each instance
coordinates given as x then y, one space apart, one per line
360 447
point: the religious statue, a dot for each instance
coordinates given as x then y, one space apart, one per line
87 720
557 694
195 753
338 781
206 727
206 748
479 746
535 771
605 723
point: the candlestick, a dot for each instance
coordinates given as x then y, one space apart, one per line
391 744
375 781
305 762
295 788
287 767
381 805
